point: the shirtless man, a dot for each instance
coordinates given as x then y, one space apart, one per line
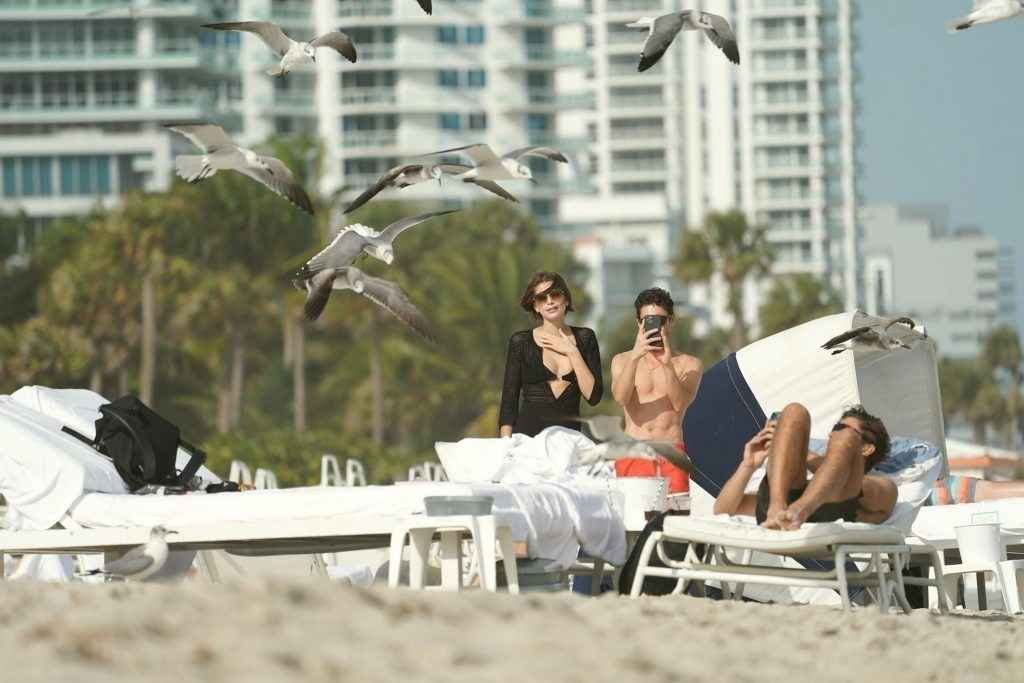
653 384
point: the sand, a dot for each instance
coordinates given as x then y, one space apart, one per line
271 630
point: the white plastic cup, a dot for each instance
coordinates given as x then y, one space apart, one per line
980 544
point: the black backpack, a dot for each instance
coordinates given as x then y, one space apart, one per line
142 444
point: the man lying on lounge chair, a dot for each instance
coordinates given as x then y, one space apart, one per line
840 487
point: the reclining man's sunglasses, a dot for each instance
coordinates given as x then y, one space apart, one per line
840 426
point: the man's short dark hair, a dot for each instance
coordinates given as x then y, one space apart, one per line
873 425
654 296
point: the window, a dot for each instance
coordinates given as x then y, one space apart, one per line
10 178
478 121
448 78
450 121
84 175
63 90
448 34
476 78
474 35
537 123
28 176
114 89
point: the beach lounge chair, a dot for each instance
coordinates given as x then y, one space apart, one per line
899 384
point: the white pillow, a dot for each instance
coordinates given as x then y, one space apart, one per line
473 460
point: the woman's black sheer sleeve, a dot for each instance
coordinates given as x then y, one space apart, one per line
509 410
592 357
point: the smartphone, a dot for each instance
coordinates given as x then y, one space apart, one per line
653 322
775 416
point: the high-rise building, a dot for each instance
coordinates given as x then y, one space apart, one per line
954 281
775 137
85 86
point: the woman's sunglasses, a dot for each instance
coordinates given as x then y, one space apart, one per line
840 426
550 294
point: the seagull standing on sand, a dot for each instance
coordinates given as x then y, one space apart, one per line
488 166
141 561
986 12
663 31
220 153
385 293
292 52
412 174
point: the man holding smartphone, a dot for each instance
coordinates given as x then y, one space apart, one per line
654 385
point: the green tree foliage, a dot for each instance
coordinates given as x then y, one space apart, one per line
796 299
729 248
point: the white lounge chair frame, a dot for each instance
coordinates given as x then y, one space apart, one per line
884 569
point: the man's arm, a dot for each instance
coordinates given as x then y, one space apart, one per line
682 379
624 377
877 500
733 500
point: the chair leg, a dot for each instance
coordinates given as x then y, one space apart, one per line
596 577
938 588
1008 578
844 589
641 565
451 560
419 550
485 538
395 557
901 589
508 555
881 570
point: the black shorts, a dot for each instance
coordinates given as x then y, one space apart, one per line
828 512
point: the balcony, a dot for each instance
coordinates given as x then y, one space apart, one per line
538 13
292 12
31 10
543 56
369 139
545 99
365 9
371 95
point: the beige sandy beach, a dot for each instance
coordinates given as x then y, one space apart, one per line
313 631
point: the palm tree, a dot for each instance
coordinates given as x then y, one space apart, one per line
1002 353
795 299
730 248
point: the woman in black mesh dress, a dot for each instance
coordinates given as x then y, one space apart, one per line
550 366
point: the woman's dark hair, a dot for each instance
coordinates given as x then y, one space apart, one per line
656 296
558 285
878 431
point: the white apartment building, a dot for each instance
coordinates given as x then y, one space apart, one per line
775 137
84 88
954 281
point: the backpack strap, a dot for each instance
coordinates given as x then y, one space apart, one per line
78 435
196 458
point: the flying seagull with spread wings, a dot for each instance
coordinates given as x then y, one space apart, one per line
987 12
615 444
869 336
489 166
663 31
385 293
141 561
413 174
220 153
292 52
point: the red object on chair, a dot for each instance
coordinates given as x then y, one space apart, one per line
678 480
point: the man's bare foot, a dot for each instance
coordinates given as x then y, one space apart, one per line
773 518
793 517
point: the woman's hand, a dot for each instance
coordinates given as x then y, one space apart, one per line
756 450
563 343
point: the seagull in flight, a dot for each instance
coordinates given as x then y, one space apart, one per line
413 174
220 153
385 293
488 166
615 444
663 31
292 52
987 12
141 561
867 336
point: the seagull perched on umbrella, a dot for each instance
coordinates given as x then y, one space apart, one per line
868 335
293 53
488 166
615 444
385 293
141 561
663 31
412 174
220 153
987 12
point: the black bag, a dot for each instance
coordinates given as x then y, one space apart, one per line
142 445
653 585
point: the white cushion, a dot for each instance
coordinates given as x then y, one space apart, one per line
809 539
472 460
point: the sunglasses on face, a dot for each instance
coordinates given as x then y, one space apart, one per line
550 294
840 426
